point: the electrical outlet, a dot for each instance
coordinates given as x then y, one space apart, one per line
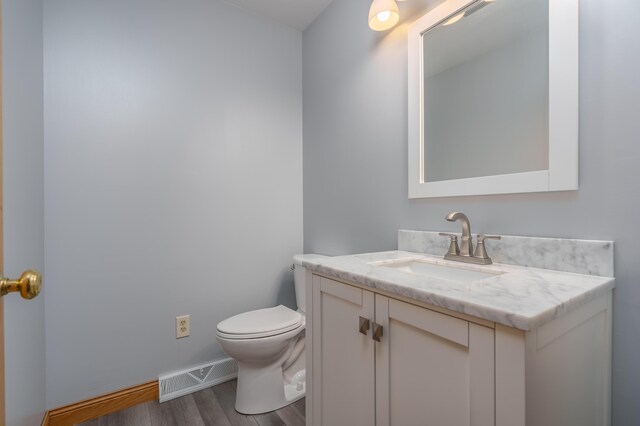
182 326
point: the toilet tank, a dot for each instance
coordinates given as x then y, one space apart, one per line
299 275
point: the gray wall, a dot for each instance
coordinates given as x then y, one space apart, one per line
173 166
355 158
22 96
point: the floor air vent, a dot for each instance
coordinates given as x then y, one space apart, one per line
196 378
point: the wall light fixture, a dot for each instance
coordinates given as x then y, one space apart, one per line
383 14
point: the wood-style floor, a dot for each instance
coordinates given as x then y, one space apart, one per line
208 407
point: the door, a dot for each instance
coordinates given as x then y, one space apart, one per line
431 368
2 409
20 223
343 358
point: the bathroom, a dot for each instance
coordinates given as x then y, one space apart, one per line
170 158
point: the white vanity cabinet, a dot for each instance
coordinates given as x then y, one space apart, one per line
436 367
427 368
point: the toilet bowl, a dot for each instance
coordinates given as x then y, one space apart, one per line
268 345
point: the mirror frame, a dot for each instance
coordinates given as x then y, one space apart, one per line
562 174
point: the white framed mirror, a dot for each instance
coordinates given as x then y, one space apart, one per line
493 98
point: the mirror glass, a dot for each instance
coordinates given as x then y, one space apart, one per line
485 75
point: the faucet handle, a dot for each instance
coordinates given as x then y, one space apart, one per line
481 252
453 246
482 237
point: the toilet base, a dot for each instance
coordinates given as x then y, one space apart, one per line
261 390
271 369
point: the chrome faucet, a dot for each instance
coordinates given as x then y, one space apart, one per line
466 246
465 252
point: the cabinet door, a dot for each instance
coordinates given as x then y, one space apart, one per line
432 369
343 357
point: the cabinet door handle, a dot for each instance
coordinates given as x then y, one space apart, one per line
364 325
377 332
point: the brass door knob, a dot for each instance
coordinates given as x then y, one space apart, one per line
28 285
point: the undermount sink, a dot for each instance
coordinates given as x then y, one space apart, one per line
422 267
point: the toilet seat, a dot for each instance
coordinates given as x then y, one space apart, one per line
260 323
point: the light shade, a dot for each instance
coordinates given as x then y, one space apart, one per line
383 14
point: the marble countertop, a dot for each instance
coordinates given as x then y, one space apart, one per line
521 297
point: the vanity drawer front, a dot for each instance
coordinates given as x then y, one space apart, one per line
444 326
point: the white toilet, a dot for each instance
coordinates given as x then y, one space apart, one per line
268 345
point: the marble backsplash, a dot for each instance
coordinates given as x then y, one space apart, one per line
588 257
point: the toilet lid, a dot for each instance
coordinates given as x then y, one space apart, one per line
261 322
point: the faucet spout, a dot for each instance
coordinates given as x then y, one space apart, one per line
466 246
